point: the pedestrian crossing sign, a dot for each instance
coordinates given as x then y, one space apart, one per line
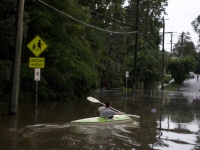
37 46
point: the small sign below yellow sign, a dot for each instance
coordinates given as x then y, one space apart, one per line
36 62
37 46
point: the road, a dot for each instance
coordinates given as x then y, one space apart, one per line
191 85
191 89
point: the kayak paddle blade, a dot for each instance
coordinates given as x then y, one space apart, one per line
92 99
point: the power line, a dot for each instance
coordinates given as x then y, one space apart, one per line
116 32
150 45
102 14
94 26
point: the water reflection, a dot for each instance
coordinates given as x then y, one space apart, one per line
174 125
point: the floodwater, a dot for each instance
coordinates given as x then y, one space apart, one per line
168 121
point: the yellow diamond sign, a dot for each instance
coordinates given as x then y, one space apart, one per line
37 46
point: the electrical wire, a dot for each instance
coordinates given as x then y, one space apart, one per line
98 27
150 45
115 32
102 14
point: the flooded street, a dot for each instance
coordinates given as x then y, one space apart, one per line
168 121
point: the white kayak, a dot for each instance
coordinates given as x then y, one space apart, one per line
117 119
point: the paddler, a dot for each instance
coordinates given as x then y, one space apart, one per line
106 112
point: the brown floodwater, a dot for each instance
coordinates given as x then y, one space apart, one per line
168 121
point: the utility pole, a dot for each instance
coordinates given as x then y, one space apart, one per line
136 45
163 52
171 42
182 35
17 61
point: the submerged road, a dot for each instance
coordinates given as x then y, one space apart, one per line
191 85
191 89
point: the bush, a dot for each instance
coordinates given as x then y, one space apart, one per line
5 75
167 78
179 68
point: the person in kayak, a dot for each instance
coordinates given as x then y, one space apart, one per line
107 113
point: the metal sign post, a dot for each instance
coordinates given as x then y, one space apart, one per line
37 78
127 75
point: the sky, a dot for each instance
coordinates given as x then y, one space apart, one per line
180 15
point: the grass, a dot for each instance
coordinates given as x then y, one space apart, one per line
172 87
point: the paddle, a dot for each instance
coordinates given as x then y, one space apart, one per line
94 100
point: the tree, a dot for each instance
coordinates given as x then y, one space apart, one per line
149 57
7 34
184 46
197 65
7 40
7 28
179 68
109 47
70 69
196 26
79 56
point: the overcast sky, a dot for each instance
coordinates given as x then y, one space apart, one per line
180 15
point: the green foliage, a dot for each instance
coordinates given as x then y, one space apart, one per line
184 46
7 28
71 64
148 67
167 78
180 67
149 58
5 75
79 58
196 23
197 65
196 26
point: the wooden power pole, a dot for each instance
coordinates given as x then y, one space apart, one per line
17 61
163 54
136 45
